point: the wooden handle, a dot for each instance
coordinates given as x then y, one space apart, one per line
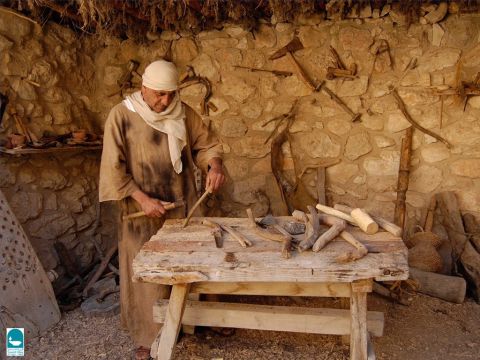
166 205
384 224
364 221
331 211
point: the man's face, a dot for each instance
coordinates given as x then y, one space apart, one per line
158 100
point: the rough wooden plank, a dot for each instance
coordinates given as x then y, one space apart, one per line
265 317
172 321
245 266
169 277
273 289
358 330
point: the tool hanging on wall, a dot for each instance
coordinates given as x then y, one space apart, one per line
190 78
339 70
275 72
125 82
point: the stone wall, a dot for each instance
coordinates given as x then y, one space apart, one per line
75 86
53 195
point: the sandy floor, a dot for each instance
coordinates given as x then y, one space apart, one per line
428 329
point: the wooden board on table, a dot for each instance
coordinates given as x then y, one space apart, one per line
174 251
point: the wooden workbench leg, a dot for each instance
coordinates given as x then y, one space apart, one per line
190 329
358 325
173 321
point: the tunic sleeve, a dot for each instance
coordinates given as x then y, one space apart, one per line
115 182
204 144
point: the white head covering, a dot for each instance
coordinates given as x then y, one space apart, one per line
162 75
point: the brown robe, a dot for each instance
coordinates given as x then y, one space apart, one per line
136 156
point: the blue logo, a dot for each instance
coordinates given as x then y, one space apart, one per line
15 342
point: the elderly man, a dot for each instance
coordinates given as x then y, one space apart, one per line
151 143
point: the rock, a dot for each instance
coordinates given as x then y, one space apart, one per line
252 110
50 201
184 51
319 145
25 90
251 147
466 167
26 175
425 179
50 226
396 122
439 59
292 86
383 141
244 191
264 166
237 88
380 184
233 127
111 75
52 179
265 37
356 87
85 219
352 38
266 87
167 35
357 145
230 57
387 164
26 205
361 179
415 200
204 66
372 122
310 37
299 126
218 43
234 31
15 26
236 168
339 127
73 197
221 105
435 152
342 172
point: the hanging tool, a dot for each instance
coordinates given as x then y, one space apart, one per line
166 205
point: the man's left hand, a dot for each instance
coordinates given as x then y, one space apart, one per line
215 178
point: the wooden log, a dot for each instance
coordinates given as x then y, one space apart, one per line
364 221
172 321
267 317
473 229
321 185
331 211
358 325
428 225
384 224
359 252
403 178
383 291
308 242
329 235
449 288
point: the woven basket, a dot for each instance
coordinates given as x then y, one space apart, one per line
425 257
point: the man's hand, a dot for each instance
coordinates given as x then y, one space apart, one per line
215 176
152 207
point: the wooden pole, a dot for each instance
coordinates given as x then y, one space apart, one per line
403 177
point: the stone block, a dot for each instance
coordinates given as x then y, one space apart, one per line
386 164
435 152
251 147
357 145
233 127
466 167
317 144
425 179
341 173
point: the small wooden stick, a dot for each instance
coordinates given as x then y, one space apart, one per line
194 207
359 252
287 243
315 223
166 205
237 236
216 231
331 211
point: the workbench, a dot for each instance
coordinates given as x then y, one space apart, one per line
189 259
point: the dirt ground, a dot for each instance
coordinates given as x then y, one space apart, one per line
428 329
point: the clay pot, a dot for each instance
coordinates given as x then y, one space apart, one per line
79 135
423 255
17 140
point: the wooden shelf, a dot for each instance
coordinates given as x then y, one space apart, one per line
27 151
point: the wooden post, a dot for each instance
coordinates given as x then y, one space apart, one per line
358 325
403 174
173 321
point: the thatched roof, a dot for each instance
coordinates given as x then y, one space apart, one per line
136 17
